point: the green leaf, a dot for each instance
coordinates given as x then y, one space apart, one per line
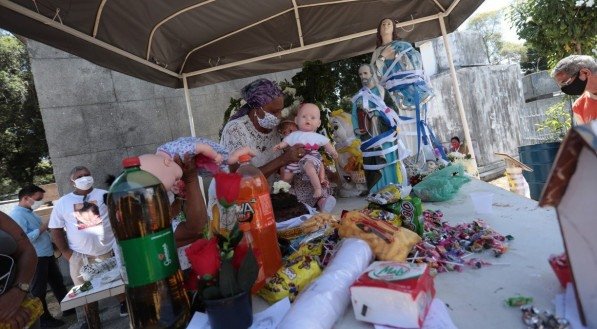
211 293
228 285
248 271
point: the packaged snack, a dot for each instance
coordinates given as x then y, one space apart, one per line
389 194
393 294
410 210
293 277
387 241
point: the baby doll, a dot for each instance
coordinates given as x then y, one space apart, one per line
208 154
307 121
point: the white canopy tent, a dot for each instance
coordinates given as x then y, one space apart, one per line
191 43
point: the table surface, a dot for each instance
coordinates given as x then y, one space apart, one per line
475 298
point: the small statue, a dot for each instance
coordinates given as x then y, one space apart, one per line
350 158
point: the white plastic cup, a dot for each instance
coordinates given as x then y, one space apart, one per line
482 201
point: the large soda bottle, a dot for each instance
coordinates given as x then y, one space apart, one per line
254 206
139 214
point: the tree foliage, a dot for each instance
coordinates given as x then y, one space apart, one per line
488 24
556 29
23 146
328 83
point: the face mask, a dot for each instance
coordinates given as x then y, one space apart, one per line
36 204
84 183
576 87
269 121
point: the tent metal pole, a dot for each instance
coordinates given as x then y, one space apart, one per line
467 134
187 98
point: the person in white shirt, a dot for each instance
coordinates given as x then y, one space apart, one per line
83 216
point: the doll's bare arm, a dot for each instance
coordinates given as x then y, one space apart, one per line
329 148
233 157
209 152
281 145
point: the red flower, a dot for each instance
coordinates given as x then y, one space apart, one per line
239 254
201 161
204 257
227 187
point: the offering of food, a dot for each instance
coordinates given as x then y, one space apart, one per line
286 205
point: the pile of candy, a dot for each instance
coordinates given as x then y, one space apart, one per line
444 247
542 320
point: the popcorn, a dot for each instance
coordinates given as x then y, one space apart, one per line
281 186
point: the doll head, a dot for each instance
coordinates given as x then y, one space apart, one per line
286 127
164 168
308 117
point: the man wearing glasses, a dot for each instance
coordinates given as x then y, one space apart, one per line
577 75
83 215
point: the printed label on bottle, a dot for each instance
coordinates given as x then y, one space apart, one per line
149 258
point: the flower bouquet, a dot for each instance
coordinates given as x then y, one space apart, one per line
225 267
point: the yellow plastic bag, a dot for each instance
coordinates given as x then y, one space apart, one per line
35 308
292 278
387 241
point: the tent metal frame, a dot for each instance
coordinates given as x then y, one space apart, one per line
183 76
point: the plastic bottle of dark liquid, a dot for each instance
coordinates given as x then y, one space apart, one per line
255 212
139 214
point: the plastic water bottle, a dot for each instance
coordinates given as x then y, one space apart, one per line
139 214
254 206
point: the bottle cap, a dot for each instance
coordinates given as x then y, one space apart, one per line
244 158
131 162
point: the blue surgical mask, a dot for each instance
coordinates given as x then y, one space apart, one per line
269 121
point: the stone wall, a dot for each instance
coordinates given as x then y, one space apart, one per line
493 100
540 92
492 96
95 117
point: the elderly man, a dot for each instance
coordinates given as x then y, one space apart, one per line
577 75
83 215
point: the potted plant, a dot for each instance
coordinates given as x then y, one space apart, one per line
225 266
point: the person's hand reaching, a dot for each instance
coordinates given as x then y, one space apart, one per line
188 166
294 153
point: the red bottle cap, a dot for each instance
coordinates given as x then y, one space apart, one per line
131 162
244 158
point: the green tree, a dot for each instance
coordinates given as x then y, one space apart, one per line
489 24
328 83
24 151
556 29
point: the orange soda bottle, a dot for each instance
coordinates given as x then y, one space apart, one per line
254 207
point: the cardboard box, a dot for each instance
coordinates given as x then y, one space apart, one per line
394 294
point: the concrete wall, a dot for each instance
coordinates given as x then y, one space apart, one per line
467 50
96 117
540 92
492 96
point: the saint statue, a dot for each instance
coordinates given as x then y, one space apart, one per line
377 126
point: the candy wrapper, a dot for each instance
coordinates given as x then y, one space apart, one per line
292 278
376 212
409 210
389 194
